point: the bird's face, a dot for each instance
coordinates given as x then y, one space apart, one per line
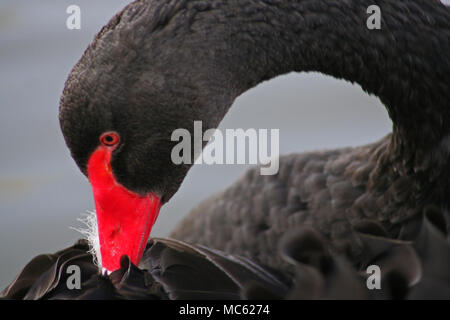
124 217
120 136
121 103
127 161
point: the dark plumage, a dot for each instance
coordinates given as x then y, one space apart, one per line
176 270
159 65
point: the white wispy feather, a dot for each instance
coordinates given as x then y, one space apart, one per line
89 219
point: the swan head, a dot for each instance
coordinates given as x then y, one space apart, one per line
120 105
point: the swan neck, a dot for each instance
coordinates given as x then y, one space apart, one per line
405 62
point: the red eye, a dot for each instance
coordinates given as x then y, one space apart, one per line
110 139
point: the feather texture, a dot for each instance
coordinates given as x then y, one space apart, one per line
172 269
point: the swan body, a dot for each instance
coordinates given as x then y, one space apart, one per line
161 65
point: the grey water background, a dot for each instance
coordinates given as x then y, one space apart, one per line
42 192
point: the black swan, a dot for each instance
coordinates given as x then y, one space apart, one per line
310 230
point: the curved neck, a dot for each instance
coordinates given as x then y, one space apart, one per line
406 63
221 48
198 56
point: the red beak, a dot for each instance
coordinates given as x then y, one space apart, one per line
124 218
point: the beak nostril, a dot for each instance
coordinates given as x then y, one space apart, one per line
115 232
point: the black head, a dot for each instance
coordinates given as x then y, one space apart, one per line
134 80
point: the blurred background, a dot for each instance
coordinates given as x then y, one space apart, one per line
42 192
